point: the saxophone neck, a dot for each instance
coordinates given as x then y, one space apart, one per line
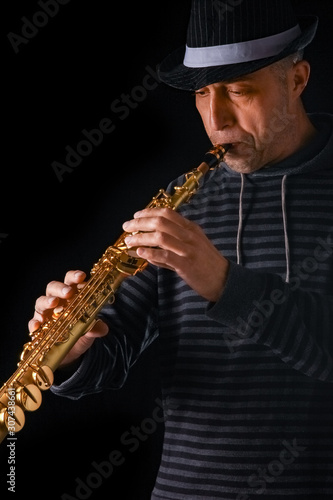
189 188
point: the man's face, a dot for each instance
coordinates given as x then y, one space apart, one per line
253 114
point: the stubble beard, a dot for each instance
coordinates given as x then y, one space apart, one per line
244 158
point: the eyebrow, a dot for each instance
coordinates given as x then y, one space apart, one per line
243 79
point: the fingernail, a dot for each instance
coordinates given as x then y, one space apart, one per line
79 274
58 310
125 225
66 290
128 240
50 300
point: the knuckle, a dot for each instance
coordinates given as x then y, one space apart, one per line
69 276
165 212
160 237
192 239
191 226
38 317
51 287
191 255
164 256
38 304
164 224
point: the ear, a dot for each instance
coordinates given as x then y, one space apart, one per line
300 75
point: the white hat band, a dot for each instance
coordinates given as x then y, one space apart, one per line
233 53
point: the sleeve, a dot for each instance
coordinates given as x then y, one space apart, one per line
132 321
295 324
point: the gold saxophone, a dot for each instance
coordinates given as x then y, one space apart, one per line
55 338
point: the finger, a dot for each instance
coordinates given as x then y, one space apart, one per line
146 219
74 277
100 329
33 325
161 258
158 239
169 218
186 232
58 289
45 303
165 213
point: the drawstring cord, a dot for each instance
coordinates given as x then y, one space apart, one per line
285 224
285 227
240 222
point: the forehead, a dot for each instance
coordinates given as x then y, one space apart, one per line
244 78
258 78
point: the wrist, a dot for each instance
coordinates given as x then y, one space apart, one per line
221 281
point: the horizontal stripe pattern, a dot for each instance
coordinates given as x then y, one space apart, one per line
247 392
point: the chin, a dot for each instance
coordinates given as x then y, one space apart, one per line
244 158
243 163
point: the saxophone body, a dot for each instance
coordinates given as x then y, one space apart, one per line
49 345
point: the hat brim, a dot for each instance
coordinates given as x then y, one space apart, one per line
173 72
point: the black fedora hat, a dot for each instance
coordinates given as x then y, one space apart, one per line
231 38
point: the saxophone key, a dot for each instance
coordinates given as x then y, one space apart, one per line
27 348
43 354
29 397
42 376
12 418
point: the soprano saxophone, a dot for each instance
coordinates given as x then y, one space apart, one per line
51 342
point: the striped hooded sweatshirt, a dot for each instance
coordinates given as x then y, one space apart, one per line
247 381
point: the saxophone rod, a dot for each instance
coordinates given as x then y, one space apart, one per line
53 340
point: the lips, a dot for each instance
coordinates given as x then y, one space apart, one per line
234 145
230 144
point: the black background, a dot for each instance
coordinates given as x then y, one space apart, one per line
62 81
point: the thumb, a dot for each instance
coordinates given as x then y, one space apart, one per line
100 329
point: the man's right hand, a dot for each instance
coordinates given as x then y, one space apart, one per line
57 296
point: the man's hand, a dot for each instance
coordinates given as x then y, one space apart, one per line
166 239
57 296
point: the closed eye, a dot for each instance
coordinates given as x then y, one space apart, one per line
236 92
201 93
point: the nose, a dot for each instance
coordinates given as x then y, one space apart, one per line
221 113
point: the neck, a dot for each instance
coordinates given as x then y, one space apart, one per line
307 130
300 133
304 131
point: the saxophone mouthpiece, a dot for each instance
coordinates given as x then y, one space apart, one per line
223 149
216 155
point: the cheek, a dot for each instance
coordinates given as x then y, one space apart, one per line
204 113
256 123
251 122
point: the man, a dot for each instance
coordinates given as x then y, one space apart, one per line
239 292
